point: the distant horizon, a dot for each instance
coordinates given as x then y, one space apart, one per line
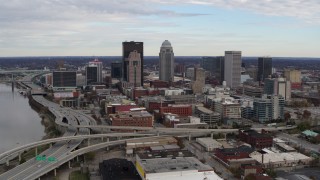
156 56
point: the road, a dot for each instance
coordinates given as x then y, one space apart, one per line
299 142
59 150
200 153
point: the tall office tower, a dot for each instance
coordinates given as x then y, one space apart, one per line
91 75
65 79
134 69
99 66
264 68
127 48
116 69
232 68
166 62
199 80
215 65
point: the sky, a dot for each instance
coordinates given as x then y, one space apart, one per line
276 28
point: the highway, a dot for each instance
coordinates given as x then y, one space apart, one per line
59 149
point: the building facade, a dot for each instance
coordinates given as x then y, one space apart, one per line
232 68
199 80
116 70
133 71
268 107
264 68
255 139
215 65
66 79
127 48
91 75
179 109
98 64
166 62
134 118
278 86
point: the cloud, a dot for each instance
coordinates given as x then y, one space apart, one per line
306 10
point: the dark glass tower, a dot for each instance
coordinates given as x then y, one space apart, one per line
116 70
91 75
127 48
264 68
215 65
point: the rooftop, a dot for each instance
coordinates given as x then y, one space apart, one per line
132 114
204 110
278 157
310 133
255 134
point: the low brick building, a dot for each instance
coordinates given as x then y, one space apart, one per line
255 139
135 118
179 109
227 154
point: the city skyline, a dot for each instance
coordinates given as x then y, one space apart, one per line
197 27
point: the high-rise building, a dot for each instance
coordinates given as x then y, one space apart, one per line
268 107
127 48
294 76
232 68
166 62
133 71
98 64
278 86
65 79
199 80
264 68
91 75
215 65
116 69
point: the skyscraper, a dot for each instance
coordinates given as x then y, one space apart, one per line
91 75
134 69
278 86
65 79
264 68
215 65
166 62
116 69
127 48
199 80
98 64
232 68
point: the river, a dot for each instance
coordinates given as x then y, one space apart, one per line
19 124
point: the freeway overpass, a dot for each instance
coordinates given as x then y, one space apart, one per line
6 155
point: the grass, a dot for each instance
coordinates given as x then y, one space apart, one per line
77 175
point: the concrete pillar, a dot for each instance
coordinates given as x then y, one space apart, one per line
189 136
88 141
77 158
7 162
212 135
102 138
36 151
107 146
158 134
55 172
50 145
69 165
101 130
19 156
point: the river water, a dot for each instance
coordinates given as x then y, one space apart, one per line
19 124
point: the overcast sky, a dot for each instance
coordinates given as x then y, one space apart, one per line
194 27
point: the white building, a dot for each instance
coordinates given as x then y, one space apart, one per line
209 144
232 68
166 62
190 73
173 168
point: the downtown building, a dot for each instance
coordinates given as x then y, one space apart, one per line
64 79
264 68
294 76
166 62
214 65
134 69
199 80
116 70
268 107
98 64
278 86
232 68
127 48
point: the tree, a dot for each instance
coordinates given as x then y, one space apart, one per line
249 177
306 114
287 116
304 126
